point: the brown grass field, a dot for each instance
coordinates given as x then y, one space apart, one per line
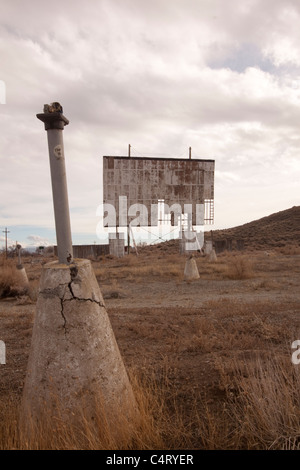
210 360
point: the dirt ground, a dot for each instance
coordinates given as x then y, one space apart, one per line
185 333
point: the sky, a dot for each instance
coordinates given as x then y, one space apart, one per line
163 75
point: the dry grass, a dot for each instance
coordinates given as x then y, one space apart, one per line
261 411
262 407
268 404
12 284
114 291
288 250
228 382
230 326
134 268
157 428
9 282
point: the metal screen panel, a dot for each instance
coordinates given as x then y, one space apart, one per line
146 180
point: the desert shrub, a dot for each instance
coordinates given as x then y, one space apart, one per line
8 280
114 291
239 267
12 282
289 250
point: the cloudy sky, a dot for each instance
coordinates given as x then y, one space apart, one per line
222 77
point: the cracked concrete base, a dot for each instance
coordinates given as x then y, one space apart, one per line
75 363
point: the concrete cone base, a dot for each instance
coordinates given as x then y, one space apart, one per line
74 360
22 280
191 272
212 258
22 275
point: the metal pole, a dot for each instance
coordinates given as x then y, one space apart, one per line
129 148
19 255
6 232
133 239
55 122
128 240
190 153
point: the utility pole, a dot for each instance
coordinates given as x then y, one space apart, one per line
129 149
190 153
6 232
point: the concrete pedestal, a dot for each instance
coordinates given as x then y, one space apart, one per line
212 257
191 272
208 247
75 364
117 244
22 276
187 245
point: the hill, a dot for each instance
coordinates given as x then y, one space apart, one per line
276 230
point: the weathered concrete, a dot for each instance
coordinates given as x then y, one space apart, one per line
208 247
88 251
188 243
117 244
21 273
191 272
212 257
22 276
74 361
181 246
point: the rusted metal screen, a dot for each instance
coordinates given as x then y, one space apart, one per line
147 180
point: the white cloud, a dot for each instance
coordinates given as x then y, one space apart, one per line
36 240
221 77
